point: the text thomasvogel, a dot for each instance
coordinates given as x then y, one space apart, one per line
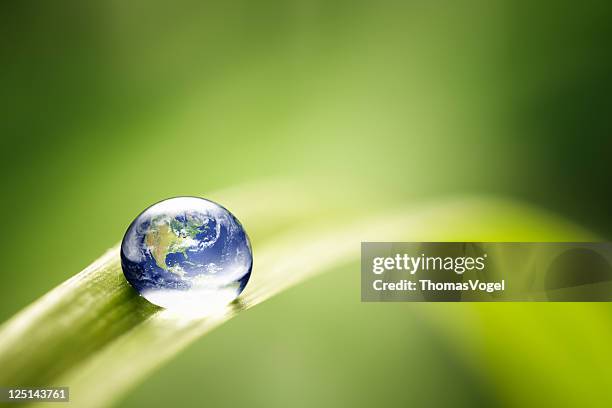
412 264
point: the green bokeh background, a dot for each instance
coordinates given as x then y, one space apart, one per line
108 106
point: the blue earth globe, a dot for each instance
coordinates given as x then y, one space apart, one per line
187 253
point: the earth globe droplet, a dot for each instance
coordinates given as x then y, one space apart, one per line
187 254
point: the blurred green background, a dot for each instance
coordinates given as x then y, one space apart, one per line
109 106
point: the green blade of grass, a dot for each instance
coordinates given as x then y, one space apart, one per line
94 333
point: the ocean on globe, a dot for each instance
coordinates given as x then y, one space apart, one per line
187 254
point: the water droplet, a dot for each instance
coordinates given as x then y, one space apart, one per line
187 254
